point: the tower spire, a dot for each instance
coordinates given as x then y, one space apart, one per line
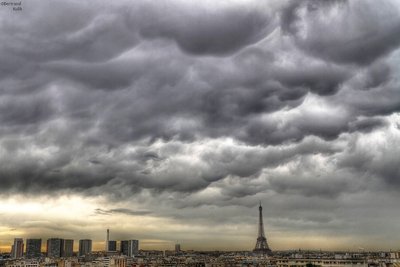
261 244
107 240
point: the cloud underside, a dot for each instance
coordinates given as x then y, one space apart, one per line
201 104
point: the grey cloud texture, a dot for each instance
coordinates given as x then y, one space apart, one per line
203 105
122 211
217 29
322 29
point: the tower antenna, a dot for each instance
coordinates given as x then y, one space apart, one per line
107 239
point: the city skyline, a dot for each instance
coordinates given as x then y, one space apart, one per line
32 247
169 121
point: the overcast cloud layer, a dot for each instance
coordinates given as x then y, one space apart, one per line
187 114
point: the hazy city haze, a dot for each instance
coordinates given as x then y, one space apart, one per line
169 121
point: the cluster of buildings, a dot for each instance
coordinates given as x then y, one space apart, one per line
56 247
177 257
64 248
337 259
128 248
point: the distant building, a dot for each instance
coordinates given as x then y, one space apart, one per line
395 255
17 249
107 239
112 245
135 247
114 261
118 262
177 248
67 248
33 248
322 262
85 247
125 247
54 247
130 248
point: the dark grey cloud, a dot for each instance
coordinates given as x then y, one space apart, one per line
379 161
122 211
25 110
97 90
202 29
77 31
322 29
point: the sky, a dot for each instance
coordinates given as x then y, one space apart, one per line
169 121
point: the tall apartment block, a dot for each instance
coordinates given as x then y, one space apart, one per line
17 249
112 245
68 248
33 248
85 247
54 247
57 247
130 248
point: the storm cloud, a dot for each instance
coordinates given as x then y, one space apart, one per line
198 111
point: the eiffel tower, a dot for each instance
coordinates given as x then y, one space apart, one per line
261 245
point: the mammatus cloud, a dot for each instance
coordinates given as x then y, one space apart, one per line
189 114
322 29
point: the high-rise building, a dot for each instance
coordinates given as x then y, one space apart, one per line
33 248
125 247
17 249
68 248
130 248
85 247
107 239
55 247
177 248
135 247
112 245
